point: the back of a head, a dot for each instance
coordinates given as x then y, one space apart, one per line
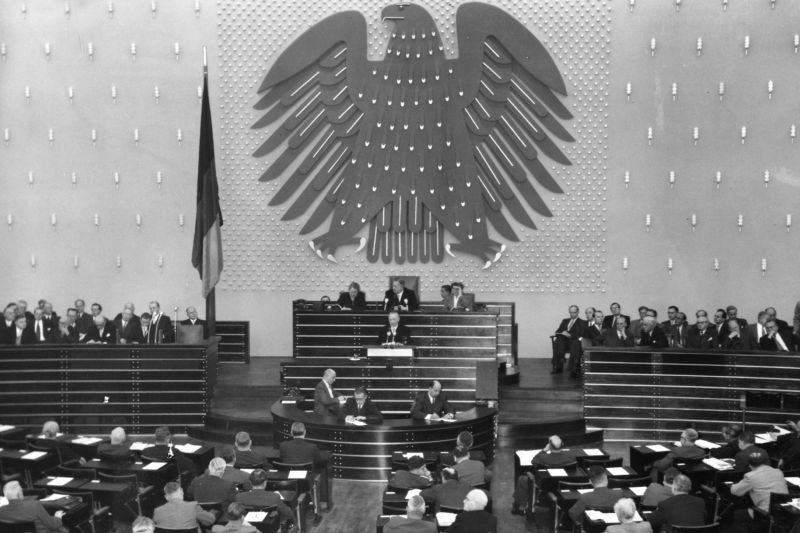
449 473
235 511
465 439
228 454
415 507
460 452
415 463
118 435
476 500
690 434
242 440
757 459
669 475
681 484
554 442
298 429
142 524
50 429
258 478
625 510
173 490
162 435
597 476
747 437
12 490
216 467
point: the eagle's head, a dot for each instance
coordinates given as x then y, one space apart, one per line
406 17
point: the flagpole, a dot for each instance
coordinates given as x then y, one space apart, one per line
211 299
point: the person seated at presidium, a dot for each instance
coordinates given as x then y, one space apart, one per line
458 299
776 340
652 335
432 404
618 337
567 340
101 332
398 298
360 408
394 332
354 299
326 399
193 320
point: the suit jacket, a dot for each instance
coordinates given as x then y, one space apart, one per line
596 336
109 335
704 341
132 332
297 451
56 337
472 472
402 334
230 527
608 321
83 322
576 331
464 302
208 488
7 333
635 327
359 304
368 410
237 477
181 515
679 510
554 458
733 343
407 298
599 497
324 402
26 337
263 498
721 330
759 483
114 452
655 339
611 339
197 322
161 452
474 522
403 479
250 458
742 458
47 330
750 337
656 493
31 511
630 527
680 334
161 331
423 407
450 493
401 524
688 451
53 319
771 344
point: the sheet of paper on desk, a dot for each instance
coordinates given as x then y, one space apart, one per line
793 481
409 455
59 481
584 491
445 519
557 472
34 455
357 423
139 446
5 427
155 465
706 444
298 474
639 491
763 438
412 492
526 456
87 440
255 516
780 430
717 464
247 470
188 448
592 452
658 447
617 471
54 497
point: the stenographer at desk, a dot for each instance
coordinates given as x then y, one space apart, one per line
360 410
394 333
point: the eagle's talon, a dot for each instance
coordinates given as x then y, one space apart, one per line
361 244
447 249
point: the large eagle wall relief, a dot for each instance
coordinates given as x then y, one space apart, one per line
425 152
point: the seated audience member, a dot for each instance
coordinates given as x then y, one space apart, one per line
192 320
732 338
679 330
132 307
210 487
752 333
450 492
432 404
446 292
747 447
117 449
163 450
361 408
102 331
416 477
64 333
593 336
21 510
258 496
658 492
625 510
97 309
179 514
720 325
235 514
776 341
733 312
589 313
144 322
129 331
7 326
652 335
462 301
469 470
49 439
142 524
299 450
789 447
610 321
759 482
566 340
635 327
730 445
600 496
474 519
22 334
83 320
42 329
686 450
553 455
412 522
681 509
398 298
703 337
50 315
246 457
353 299
22 310
618 337
672 315
394 331
240 479
772 315
465 440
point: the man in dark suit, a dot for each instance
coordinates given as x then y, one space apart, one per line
732 339
460 300
681 509
361 408
299 450
102 331
7 327
399 298
83 320
19 510
129 331
117 449
412 522
566 340
64 333
246 457
416 477
747 447
394 331
239 478
553 455
160 331
210 487
652 335
178 514
752 333
610 321
470 471
594 334
354 299
164 451
618 337
42 329
50 315
720 325
600 497
259 497
432 404
450 492
733 312
475 519
703 337
22 333
672 315
775 340
687 450
132 307
326 399
192 320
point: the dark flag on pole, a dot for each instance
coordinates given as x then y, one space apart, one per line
207 249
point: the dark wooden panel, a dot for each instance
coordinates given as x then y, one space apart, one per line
234 341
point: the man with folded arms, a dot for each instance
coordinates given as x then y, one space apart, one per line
416 477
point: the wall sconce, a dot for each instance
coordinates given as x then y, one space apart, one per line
772 3
10 220
96 221
180 137
70 93
90 50
177 49
724 5
746 44
627 178
160 262
3 51
114 93
763 267
94 137
196 8
51 136
699 46
75 262
696 134
677 5
721 90
7 135
23 9
53 220
716 266
744 133
628 89
33 261
30 178
116 180
770 88
740 221
133 51
136 136
119 262
181 221
138 222
694 222
199 93
47 49
788 222
110 9
669 266
649 136
153 8
74 178
652 47
647 222
674 91
156 93
159 179
28 94
671 179
796 42
766 179
66 9
624 265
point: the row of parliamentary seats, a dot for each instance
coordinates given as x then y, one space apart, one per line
726 330
45 326
745 482
53 482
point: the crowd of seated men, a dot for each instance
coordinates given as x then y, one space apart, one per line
726 330
400 298
683 487
44 325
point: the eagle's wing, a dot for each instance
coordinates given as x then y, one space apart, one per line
311 80
507 96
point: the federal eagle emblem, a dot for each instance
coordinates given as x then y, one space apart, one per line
421 148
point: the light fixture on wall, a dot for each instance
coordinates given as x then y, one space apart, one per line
763 267
180 137
699 46
788 222
670 264
70 93
724 5
631 4
677 5
3 51
649 136
796 42
766 178
624 265
47 49
23 9
7 135
652 46
746 44
94 137
772 3
97 222
136 136
110 9
160 262
114 93
696 134
721 90
740 222
792 132
181 221
177 49
156 93
119 262
671 179
28 94
90 50
628 90
76 262
138 222
159 179
744 133
51 136
30 178
770 89
33 261
133 51
674 91
647 222
693 222
53 220
66 9
153 7
116 180
74 178
627 178
10 220
196 8
199 93
716 265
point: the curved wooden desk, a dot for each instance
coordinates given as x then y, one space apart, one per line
365 452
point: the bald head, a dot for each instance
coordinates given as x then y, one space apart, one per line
118 436
476 500
12 490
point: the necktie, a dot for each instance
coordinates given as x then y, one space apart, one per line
614 321
124 324
39 330
19 339
571 322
